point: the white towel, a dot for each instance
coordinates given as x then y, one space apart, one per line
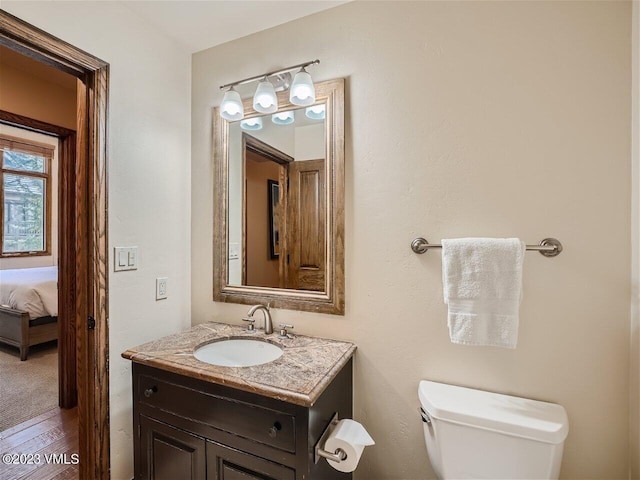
482 284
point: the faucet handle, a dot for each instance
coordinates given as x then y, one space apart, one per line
283 331
251 327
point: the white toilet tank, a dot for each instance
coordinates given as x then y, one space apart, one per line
474 434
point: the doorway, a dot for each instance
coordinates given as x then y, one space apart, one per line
29 239
264 205
37 155
83 256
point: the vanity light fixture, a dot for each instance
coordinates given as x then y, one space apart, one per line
302 91
316 112
231 108
254 123
283 118
265 100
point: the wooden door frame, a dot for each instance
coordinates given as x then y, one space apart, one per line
87 256
67 386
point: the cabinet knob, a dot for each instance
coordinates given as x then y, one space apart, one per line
273 431
150 391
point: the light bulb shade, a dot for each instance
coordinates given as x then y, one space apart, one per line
302 91
254 123
265 99
231 107
316 112
283 118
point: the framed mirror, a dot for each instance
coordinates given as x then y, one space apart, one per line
279 204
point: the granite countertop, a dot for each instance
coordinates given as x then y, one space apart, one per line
299 376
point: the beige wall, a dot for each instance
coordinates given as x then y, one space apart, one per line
464 119
35 97
149 180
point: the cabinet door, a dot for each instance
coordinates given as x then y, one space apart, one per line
168 453
225 463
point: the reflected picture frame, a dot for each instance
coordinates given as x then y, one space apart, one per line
273 201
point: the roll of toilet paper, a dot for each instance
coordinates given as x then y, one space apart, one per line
351 437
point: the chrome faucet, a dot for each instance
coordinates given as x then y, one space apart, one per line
268 324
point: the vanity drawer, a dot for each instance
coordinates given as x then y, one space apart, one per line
266 426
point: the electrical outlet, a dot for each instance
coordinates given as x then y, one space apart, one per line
161 288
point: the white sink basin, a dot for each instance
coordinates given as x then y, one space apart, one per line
238 352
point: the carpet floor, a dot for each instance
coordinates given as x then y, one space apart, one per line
29 388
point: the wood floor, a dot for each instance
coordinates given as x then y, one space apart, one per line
47 444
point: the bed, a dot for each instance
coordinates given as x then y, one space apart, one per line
28 307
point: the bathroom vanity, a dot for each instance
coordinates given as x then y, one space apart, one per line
193 420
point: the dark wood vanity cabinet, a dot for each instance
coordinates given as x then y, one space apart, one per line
226 463
170 453
187 428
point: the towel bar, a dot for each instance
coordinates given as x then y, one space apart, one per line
549 247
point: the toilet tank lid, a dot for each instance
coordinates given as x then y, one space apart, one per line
522 417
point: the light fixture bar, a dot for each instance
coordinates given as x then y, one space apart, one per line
275 72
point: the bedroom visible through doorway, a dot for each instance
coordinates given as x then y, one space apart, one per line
37 375
28 274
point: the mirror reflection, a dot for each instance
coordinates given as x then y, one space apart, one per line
277 200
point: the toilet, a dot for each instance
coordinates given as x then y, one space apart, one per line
473 434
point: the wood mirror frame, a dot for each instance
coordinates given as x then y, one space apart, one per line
331 300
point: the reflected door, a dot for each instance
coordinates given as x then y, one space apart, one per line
305 268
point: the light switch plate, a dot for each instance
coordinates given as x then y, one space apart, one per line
125 258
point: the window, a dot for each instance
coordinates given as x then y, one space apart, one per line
25 194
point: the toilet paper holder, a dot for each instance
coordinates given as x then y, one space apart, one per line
319 452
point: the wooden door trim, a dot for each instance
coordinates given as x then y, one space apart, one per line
89 257
249 142
34 125
67 386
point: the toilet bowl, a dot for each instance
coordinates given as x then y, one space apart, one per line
473 434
